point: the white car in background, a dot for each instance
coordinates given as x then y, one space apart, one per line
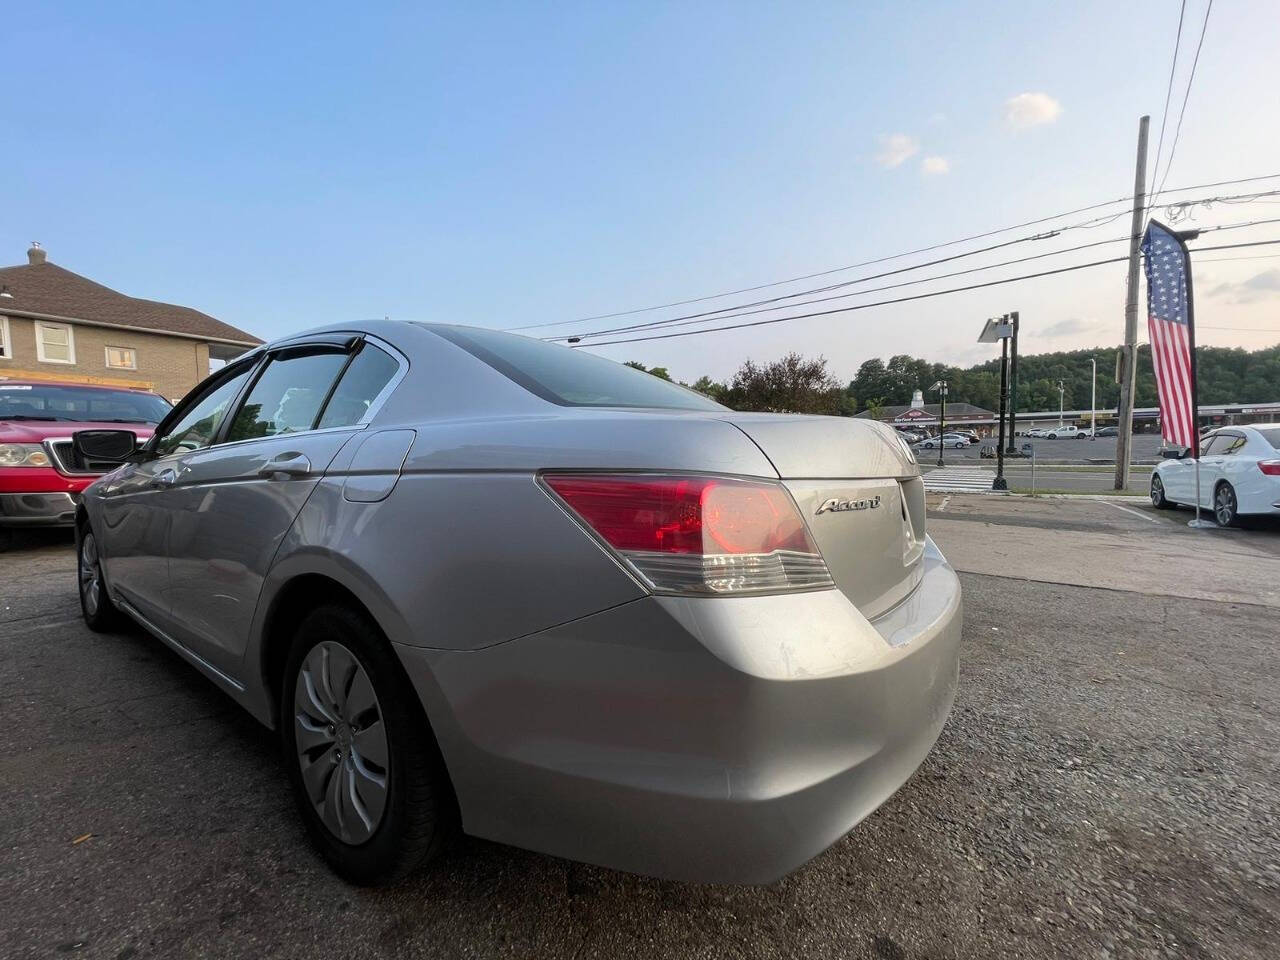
1239 474
1063 432
949 440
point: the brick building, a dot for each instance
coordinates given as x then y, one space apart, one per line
58 325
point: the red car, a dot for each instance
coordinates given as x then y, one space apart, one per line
39 478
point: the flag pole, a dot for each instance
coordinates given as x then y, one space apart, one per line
1182 236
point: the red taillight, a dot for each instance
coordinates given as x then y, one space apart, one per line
1270 467
688 534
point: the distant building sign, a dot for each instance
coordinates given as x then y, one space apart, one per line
912 414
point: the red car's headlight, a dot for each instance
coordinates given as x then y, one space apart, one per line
690 534
23 455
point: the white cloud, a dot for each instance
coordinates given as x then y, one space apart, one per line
1031 110
1069 327
1262 286
896 149
935 165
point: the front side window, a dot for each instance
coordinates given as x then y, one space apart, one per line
196 427
122 358
370 371
55 343
568 377
288 396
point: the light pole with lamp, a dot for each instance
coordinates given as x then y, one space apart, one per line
999 328
1093 401
941 387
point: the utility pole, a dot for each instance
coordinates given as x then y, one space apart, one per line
1061 388
1013 383
1129 352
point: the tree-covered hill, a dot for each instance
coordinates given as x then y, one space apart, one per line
1226 375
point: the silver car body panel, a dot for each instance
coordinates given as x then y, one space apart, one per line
711 738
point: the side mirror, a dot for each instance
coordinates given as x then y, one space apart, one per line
102 449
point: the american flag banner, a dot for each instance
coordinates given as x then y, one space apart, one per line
1171 325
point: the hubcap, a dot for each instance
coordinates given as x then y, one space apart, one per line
341 742
90 574
1224 503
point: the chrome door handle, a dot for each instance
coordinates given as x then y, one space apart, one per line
165 478
291 466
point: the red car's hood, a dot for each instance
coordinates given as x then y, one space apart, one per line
33 431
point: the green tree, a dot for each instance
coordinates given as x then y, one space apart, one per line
790 385
659 372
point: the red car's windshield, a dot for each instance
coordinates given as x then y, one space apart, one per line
36 401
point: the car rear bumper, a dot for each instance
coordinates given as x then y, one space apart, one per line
714 740
37 509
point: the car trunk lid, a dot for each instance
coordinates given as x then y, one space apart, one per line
859 489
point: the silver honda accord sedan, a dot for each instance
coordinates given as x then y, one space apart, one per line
484 583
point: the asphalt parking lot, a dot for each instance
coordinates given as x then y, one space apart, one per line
1106 787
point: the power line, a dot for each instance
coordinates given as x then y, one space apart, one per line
896 256
918 296
1243 329
1261 256
724 313
1173 65
1187 94
909 283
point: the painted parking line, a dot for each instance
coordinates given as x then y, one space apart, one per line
1136 513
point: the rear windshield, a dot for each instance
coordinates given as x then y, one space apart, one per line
36 401
1272 436
571 378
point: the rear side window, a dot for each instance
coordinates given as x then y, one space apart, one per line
369 373
571 378
288 395
1272 436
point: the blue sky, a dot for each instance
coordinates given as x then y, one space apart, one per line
281 166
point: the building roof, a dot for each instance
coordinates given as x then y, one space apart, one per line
45 290
931 411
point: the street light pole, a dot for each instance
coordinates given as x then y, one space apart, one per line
1060 390
1013 383
1000 483
1093 402
941 387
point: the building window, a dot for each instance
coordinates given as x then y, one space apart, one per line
122 358
6 348
55 343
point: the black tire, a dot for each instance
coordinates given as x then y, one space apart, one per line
1225 506
1158 499
100 614
6 539
419 815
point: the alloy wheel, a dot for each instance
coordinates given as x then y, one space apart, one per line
1224 505
1157 491
341 742
90 574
